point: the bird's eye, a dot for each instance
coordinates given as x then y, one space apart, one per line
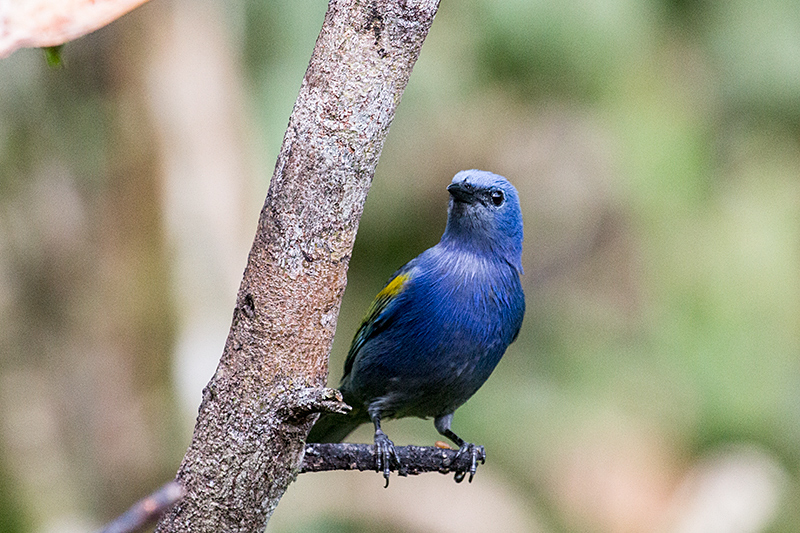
498 198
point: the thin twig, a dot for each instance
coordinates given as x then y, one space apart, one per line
146 510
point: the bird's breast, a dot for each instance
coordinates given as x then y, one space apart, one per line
473 298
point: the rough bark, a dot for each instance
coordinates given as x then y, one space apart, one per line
256 411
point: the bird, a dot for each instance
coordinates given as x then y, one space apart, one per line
438 328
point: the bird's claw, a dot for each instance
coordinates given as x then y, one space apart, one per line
384 455
477 453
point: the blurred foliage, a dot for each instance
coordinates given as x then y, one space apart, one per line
656 146
88 421
12 514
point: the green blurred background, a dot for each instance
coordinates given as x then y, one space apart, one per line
655 386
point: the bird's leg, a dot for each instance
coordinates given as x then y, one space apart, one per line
442 424
384 450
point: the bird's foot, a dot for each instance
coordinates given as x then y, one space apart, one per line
477 453
384 455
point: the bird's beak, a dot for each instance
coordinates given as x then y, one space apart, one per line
462 192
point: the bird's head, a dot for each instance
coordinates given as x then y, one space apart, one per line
484 215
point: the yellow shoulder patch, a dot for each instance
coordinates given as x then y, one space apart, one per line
393 288
382 300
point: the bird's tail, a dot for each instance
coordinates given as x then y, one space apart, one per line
333 427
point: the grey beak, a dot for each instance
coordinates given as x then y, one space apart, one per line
462 192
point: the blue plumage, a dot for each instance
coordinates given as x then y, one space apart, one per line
439 327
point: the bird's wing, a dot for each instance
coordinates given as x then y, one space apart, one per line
379 313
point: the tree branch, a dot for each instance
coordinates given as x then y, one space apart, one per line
414 459
256 411
318 458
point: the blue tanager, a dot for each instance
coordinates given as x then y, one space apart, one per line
439 327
